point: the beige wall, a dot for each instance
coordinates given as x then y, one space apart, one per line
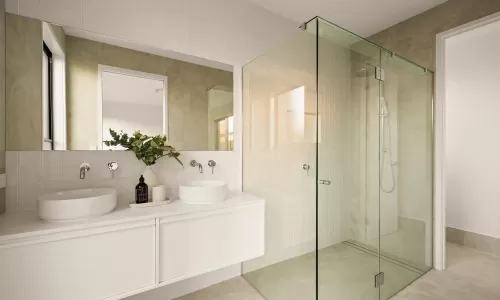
23 83
2 100
415 38
187 91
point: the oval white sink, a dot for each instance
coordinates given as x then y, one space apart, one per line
203 192
76 204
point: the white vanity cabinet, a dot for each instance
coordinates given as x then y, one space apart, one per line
194 244
108 262
127 251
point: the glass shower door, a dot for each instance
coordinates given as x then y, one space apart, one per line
348 165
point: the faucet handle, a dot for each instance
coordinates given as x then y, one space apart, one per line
306 168
113 166
212 164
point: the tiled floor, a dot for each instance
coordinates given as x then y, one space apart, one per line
471 275
234 289
345 273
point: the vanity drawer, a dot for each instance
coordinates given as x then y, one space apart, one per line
199 244
104 263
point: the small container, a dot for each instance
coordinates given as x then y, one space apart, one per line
158 193
141 191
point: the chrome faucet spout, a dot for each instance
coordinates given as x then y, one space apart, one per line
194 163
84 168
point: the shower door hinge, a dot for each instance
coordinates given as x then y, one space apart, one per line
379 74
379 279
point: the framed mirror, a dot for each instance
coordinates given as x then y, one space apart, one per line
66 88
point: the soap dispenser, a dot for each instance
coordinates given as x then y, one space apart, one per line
141 191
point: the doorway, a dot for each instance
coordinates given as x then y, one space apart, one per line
466 124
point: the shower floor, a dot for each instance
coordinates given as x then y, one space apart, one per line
345 272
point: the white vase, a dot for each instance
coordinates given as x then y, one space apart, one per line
151 179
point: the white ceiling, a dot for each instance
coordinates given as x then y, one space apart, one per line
363 17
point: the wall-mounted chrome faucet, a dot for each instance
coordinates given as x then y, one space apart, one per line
84 168
194 163
306 168
212 165
113 166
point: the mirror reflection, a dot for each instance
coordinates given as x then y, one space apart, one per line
66 88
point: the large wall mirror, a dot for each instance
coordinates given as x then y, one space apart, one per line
65 88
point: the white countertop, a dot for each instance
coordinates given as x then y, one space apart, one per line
26 224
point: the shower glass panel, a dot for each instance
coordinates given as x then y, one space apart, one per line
405 173
279 159
337 137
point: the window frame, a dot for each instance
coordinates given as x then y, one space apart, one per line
50 74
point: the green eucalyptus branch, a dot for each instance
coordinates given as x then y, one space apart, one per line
146 148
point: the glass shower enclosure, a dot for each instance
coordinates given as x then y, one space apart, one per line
337 137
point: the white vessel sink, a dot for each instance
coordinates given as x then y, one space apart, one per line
203 191
76 204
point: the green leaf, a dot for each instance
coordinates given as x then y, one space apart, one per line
113 133
146 148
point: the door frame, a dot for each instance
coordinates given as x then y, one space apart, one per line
440 135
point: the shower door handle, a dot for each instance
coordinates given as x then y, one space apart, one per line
325 182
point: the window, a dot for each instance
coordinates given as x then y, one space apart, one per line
225 134
47 99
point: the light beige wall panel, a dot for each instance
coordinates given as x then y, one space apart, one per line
23 83
415 38
2 101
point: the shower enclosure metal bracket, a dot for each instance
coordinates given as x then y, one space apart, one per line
379 74
379 279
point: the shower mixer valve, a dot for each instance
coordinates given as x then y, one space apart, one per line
306 168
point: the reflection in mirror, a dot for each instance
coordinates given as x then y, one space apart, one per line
220 118
67 88
131 101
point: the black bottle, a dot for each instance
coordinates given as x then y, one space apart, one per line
141 191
